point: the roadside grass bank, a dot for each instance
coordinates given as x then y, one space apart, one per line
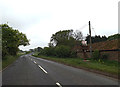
10 59
108 68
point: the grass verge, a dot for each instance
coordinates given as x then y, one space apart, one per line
9 60
109 68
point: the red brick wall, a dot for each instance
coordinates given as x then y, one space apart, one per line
112 55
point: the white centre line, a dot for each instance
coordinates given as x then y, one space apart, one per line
58 84
42 69
34 62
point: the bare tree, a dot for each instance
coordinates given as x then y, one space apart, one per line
78 35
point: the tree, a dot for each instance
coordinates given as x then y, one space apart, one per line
61 44
61 37
95 38
78 35
113 37
66 37
11 40
39 48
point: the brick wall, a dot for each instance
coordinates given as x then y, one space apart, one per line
112 55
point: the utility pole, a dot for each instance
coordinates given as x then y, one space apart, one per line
90 40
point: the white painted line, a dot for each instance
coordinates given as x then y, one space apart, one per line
58 84
34 62
42 69
31 59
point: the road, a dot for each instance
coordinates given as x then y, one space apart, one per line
29 70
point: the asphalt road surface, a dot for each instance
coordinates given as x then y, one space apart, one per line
29 70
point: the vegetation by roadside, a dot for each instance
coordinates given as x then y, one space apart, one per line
108 67
10 59
11 40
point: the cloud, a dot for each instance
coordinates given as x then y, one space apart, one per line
39 19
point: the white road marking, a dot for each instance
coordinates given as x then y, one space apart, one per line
31 59
34 62
42 69
58 84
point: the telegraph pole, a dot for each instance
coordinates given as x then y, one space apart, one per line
90 40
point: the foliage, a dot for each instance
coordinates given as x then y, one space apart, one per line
98 38
65 37
49 51
42 52
61 37
27 52
99 57
96 55
9 59
73 54
113 37
39 48
61 44
11 40
78 35
62 51
58 51
95 38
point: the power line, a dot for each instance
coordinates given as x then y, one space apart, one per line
93 29
85 25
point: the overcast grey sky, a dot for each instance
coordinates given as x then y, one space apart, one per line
39 19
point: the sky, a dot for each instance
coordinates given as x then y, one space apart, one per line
39 19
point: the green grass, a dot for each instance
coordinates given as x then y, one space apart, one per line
108 66
9 60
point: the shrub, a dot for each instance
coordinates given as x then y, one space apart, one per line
62 51
48 51
42 52
73 54
96 55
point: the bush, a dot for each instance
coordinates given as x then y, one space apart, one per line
42 52
62 51
4 54
58 51
96 55
49 51
73 54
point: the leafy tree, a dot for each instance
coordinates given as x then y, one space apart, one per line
11 40
62 37
78 35
66 37
113 37
61 44
39 48
95 38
